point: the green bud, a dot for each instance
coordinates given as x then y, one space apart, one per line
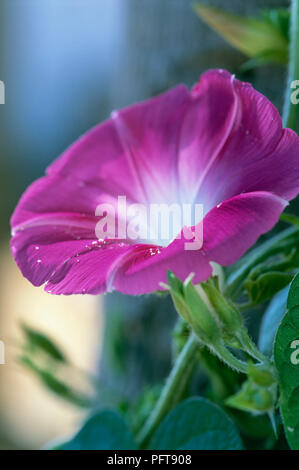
181 307
203 322
227 314
253 398
175 285
259 393
193 309
260 374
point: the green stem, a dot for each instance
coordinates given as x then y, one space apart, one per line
228 358
291 111
171 389
251 348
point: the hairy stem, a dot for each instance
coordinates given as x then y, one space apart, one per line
228 358
250 347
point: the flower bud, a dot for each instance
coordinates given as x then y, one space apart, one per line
227 314
253 398
260 374
193 309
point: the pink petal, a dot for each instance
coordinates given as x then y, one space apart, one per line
58 199
145 272
56 194
209 146
98 160
277 172
67 257
229 231
90 272
150 134
134 152
39 250
237 130
207 125
235 225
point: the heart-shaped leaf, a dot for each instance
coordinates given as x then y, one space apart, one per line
196 424
286 355
105 430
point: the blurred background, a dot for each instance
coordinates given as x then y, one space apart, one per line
66 65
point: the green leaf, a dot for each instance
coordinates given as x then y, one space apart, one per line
255 426
37 341
136 413
286 355
105 430
196 424
290 219
264 58
266 285
254 37
64 390
284 243
280 18
271 320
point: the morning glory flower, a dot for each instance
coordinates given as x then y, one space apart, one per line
220 147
